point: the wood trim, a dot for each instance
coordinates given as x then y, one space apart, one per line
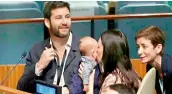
14 76
3 73
99 17
7 90
139 67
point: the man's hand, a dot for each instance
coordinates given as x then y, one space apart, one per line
65 90
47 55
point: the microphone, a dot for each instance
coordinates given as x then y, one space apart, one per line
22 56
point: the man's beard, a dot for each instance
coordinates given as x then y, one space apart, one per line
57 33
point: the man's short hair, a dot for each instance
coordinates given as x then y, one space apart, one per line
49 6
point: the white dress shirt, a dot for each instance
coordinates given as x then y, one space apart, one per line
67 48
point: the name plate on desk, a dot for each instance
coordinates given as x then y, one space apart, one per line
46 88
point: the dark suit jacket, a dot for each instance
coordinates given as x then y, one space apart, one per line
27 81
166 66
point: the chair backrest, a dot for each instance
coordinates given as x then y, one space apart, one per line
120 4
41 4
104 4
87 8
148 83
18 4
132 25
17 38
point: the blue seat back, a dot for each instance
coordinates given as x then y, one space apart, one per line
87 8
17 38
41 4
18 4
120 4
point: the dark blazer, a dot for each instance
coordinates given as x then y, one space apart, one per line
166 67
27 81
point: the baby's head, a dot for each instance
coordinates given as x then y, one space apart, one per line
88 47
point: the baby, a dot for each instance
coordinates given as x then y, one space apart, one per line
88 49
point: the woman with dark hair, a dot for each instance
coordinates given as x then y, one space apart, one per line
115 60
114 65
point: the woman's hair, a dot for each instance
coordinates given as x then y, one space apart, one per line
122 89
116 56
154 34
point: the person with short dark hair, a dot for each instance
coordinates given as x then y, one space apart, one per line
150 42
54 59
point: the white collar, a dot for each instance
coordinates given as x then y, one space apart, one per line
69 41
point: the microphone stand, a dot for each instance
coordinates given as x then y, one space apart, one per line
23 55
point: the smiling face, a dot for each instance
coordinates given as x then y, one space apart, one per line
59 24
146 51
150 42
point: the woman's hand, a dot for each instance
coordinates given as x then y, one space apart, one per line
91 78
65 90
91 83
81 69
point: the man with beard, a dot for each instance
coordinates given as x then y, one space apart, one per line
54 59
